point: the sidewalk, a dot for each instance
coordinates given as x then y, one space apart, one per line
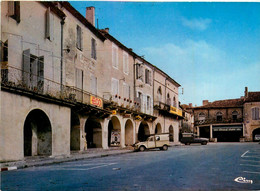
74 155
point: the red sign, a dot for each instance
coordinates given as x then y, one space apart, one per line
96 101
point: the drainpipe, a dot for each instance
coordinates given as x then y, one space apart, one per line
61 60
165 99
134 79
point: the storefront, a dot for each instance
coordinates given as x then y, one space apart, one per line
228 133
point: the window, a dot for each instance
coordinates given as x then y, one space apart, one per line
79 43
126 91
148 103
255 113
174 102
125 63
14 10
157 138
148 77
4 61
115 86
202 117
234 115
114 56
139 72
168 99
33 70
93 49
219 116
49 25
79 79
159 94
93 82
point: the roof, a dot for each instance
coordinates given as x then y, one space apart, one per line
110 37
253 97
82 19
223 104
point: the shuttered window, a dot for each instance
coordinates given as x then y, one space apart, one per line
26 67
4 61
79 78
115 87
93 49
255 113
14 10
126 91
148 77
139 72
93 84
148 103
49 25
115 56
40 74
79 44
125 63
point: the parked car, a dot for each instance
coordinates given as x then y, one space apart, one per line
160 141
257 137
188 138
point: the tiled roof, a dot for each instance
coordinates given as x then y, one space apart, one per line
253 96
223 104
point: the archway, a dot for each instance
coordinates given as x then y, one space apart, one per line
143 132
158 129
93 132
114 132
171 134
129 138
37 134
254 133
74 132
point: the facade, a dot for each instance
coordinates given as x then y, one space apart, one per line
187 124
67 86
231 120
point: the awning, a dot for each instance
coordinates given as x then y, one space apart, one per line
227 128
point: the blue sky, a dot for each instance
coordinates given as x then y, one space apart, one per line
211 49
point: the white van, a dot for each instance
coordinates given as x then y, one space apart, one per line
160 141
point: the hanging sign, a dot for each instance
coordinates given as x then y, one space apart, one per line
96 101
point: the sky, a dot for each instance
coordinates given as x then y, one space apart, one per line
212 49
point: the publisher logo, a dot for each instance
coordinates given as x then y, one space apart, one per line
243 180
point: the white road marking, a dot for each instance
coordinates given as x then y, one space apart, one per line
243 155
85 169
245 160
251 172
250 165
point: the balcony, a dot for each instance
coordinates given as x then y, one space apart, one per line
168 110
48 90
215 121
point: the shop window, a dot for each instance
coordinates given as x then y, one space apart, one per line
93 49
219 116
14 10
255 113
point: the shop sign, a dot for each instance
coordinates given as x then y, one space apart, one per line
175 111
96 101
138 117
113 112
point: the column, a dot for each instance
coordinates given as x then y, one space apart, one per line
211 131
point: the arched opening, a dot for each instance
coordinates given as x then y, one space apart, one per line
37 134
114 132
93 132
74 132
171 134
234 115
256 134
143 132
129 138
158 129
219 116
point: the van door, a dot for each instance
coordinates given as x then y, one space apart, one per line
151 142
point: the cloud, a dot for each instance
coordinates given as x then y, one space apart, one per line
196 24
204 70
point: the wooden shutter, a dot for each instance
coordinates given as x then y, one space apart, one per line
34 70
26 67
49 25
93 49
93 85
17 11
79 79
11 9
14 10
137 71
79 38
146 76
40 73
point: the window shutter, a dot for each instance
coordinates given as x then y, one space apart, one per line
79 78
47 24
79 37
11 8
93 85
40 73
257 113
26 67
17 11
137 71
142 73
150 77
34 71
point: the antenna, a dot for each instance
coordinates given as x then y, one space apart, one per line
97 24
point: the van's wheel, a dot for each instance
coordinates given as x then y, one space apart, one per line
142 148
165 147
204 143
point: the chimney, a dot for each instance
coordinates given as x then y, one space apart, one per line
190 105
205 102
246 92
107 30
90 15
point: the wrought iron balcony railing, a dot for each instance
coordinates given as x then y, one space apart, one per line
215 121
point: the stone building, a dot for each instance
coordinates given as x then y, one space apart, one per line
67 86
187 124
229 120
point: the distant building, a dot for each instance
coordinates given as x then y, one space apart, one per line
231 120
